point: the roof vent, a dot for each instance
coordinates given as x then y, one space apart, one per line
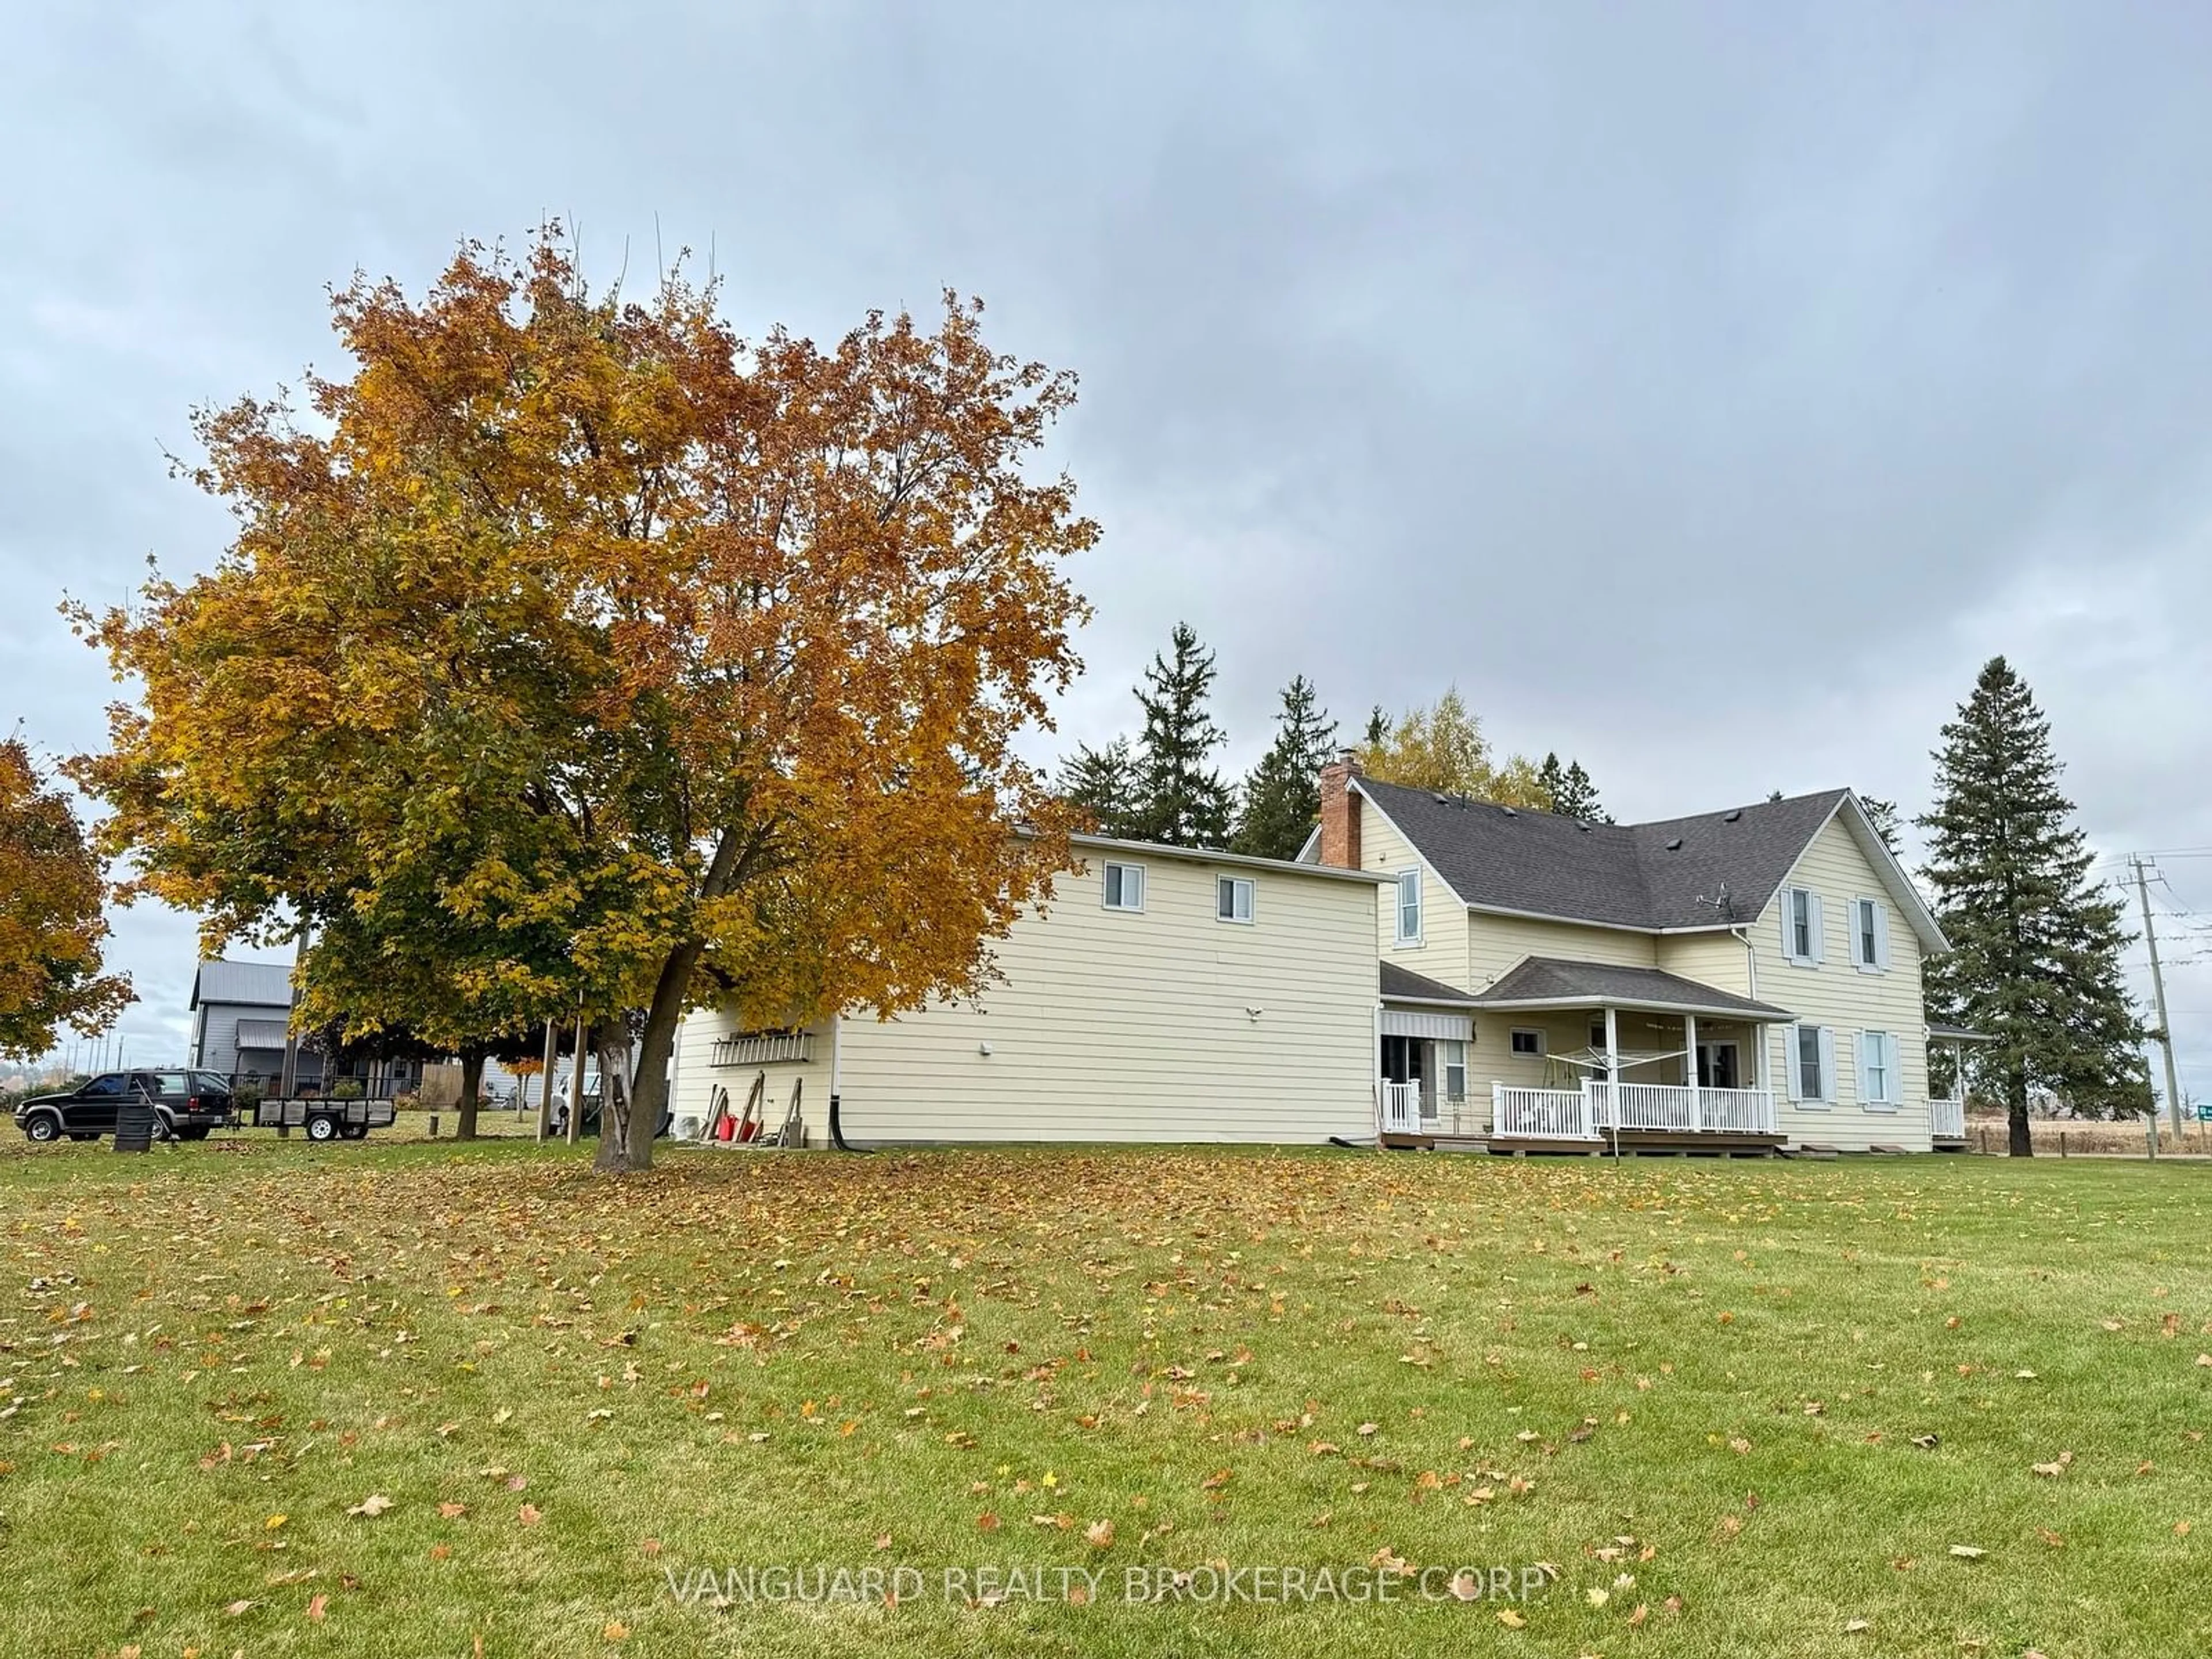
1584 827
1732 815
1675 845
1509 811
1443 800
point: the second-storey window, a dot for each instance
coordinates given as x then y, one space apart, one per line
1800 925
1125 886
1870 934
1409 907
1232 899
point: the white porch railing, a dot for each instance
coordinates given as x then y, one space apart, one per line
1589 1112
1401 1109
1947 1119
1680 1109
1548 1113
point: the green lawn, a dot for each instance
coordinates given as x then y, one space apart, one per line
402 1400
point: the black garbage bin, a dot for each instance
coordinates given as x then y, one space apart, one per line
134 1125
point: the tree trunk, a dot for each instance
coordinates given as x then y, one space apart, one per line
465 1112
649 1095
2022 1144
610 1042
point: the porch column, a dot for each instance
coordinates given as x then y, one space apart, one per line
1690 1067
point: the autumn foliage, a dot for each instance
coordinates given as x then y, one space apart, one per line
572 651
51 924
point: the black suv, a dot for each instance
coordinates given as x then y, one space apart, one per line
186 1105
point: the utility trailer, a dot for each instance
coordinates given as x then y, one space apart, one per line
324 1117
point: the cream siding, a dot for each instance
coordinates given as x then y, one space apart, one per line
1441 952
1847 1001
1717 959
696 1076
1495 945
1167 1024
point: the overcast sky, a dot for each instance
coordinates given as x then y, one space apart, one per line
1706 390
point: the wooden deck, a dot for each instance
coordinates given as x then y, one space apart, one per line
1643 1143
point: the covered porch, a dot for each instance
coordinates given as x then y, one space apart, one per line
1631 1058
1946 1084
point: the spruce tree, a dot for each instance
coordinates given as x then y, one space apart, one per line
1282 796
1181 800
1104 783
1885 819
1569 789
2034 961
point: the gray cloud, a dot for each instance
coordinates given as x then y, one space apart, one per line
1706 390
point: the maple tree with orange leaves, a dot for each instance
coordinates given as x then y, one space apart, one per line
626 664
51 929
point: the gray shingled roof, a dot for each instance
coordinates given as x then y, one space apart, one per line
258 984
1628 875
1554 980
1404 985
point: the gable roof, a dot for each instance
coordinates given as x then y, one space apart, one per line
1554 981
255 984
1669 876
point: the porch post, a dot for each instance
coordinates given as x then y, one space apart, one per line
1690 1067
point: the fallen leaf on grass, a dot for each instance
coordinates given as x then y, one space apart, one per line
238 1609
1511 1618
1966 1551
372 1505
1856 1625
1099 1535
530 1515
316 1604
615 1631
449 1510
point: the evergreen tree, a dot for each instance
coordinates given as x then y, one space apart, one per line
1570 790
1181 800
1885 819
1103 783
2036 944
1282 796
1378 728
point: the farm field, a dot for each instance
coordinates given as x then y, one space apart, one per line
417 1399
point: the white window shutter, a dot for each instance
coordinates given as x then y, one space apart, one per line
1827 1063
1789 924
1894 1071
1860 1069
1790 1079
1819 932
1881 935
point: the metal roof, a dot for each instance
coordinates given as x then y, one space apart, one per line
252 984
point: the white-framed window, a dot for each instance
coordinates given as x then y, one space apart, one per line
1409 907
1125 886
1528 1041
1870 935
1451 1061
1878 1070
1810 1052
1800 927
1232 899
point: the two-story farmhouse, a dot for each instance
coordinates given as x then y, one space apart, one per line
1742 978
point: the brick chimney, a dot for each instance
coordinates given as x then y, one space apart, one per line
1339 813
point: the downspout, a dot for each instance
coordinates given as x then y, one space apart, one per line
836 1124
